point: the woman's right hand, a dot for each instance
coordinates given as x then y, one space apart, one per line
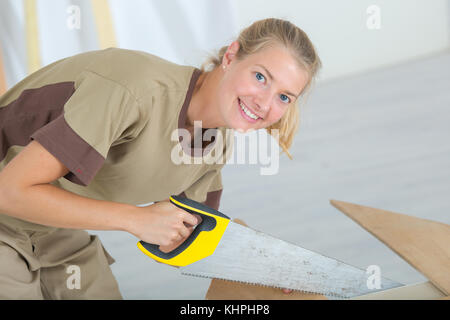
163 224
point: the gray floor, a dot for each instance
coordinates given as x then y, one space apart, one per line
380 139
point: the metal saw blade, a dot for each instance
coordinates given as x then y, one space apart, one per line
249 256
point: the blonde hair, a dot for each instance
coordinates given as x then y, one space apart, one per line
262 34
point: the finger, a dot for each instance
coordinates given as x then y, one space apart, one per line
185 232
189 218
168 248
199 218
180 239
287 291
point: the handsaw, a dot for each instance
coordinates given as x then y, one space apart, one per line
222 249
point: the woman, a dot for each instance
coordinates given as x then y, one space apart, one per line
87 138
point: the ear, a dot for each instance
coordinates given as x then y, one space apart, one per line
230 54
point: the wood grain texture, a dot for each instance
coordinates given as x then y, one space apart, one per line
422 243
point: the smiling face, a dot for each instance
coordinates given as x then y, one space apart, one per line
256 91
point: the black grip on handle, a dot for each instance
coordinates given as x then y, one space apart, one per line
208 223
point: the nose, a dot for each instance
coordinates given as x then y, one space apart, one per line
263 103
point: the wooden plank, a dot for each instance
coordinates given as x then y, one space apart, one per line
422 243
3 86
231 290
418 291
32 36
104 23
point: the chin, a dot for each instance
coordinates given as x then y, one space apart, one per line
241 128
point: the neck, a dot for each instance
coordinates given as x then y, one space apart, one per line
203 106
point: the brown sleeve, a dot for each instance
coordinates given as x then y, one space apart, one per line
212 198
82 160
96 115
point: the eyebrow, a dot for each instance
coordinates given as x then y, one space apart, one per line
271 78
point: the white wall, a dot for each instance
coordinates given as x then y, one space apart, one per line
408 29
183 31
178 30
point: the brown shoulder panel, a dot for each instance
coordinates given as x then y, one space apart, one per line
33 109
212 198
82 160
38 114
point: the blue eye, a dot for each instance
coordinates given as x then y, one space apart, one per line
259 76
285 98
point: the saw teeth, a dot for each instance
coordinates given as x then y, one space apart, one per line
266 286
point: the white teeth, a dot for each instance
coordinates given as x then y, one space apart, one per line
248 112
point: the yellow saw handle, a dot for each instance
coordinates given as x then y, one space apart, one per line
201 243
